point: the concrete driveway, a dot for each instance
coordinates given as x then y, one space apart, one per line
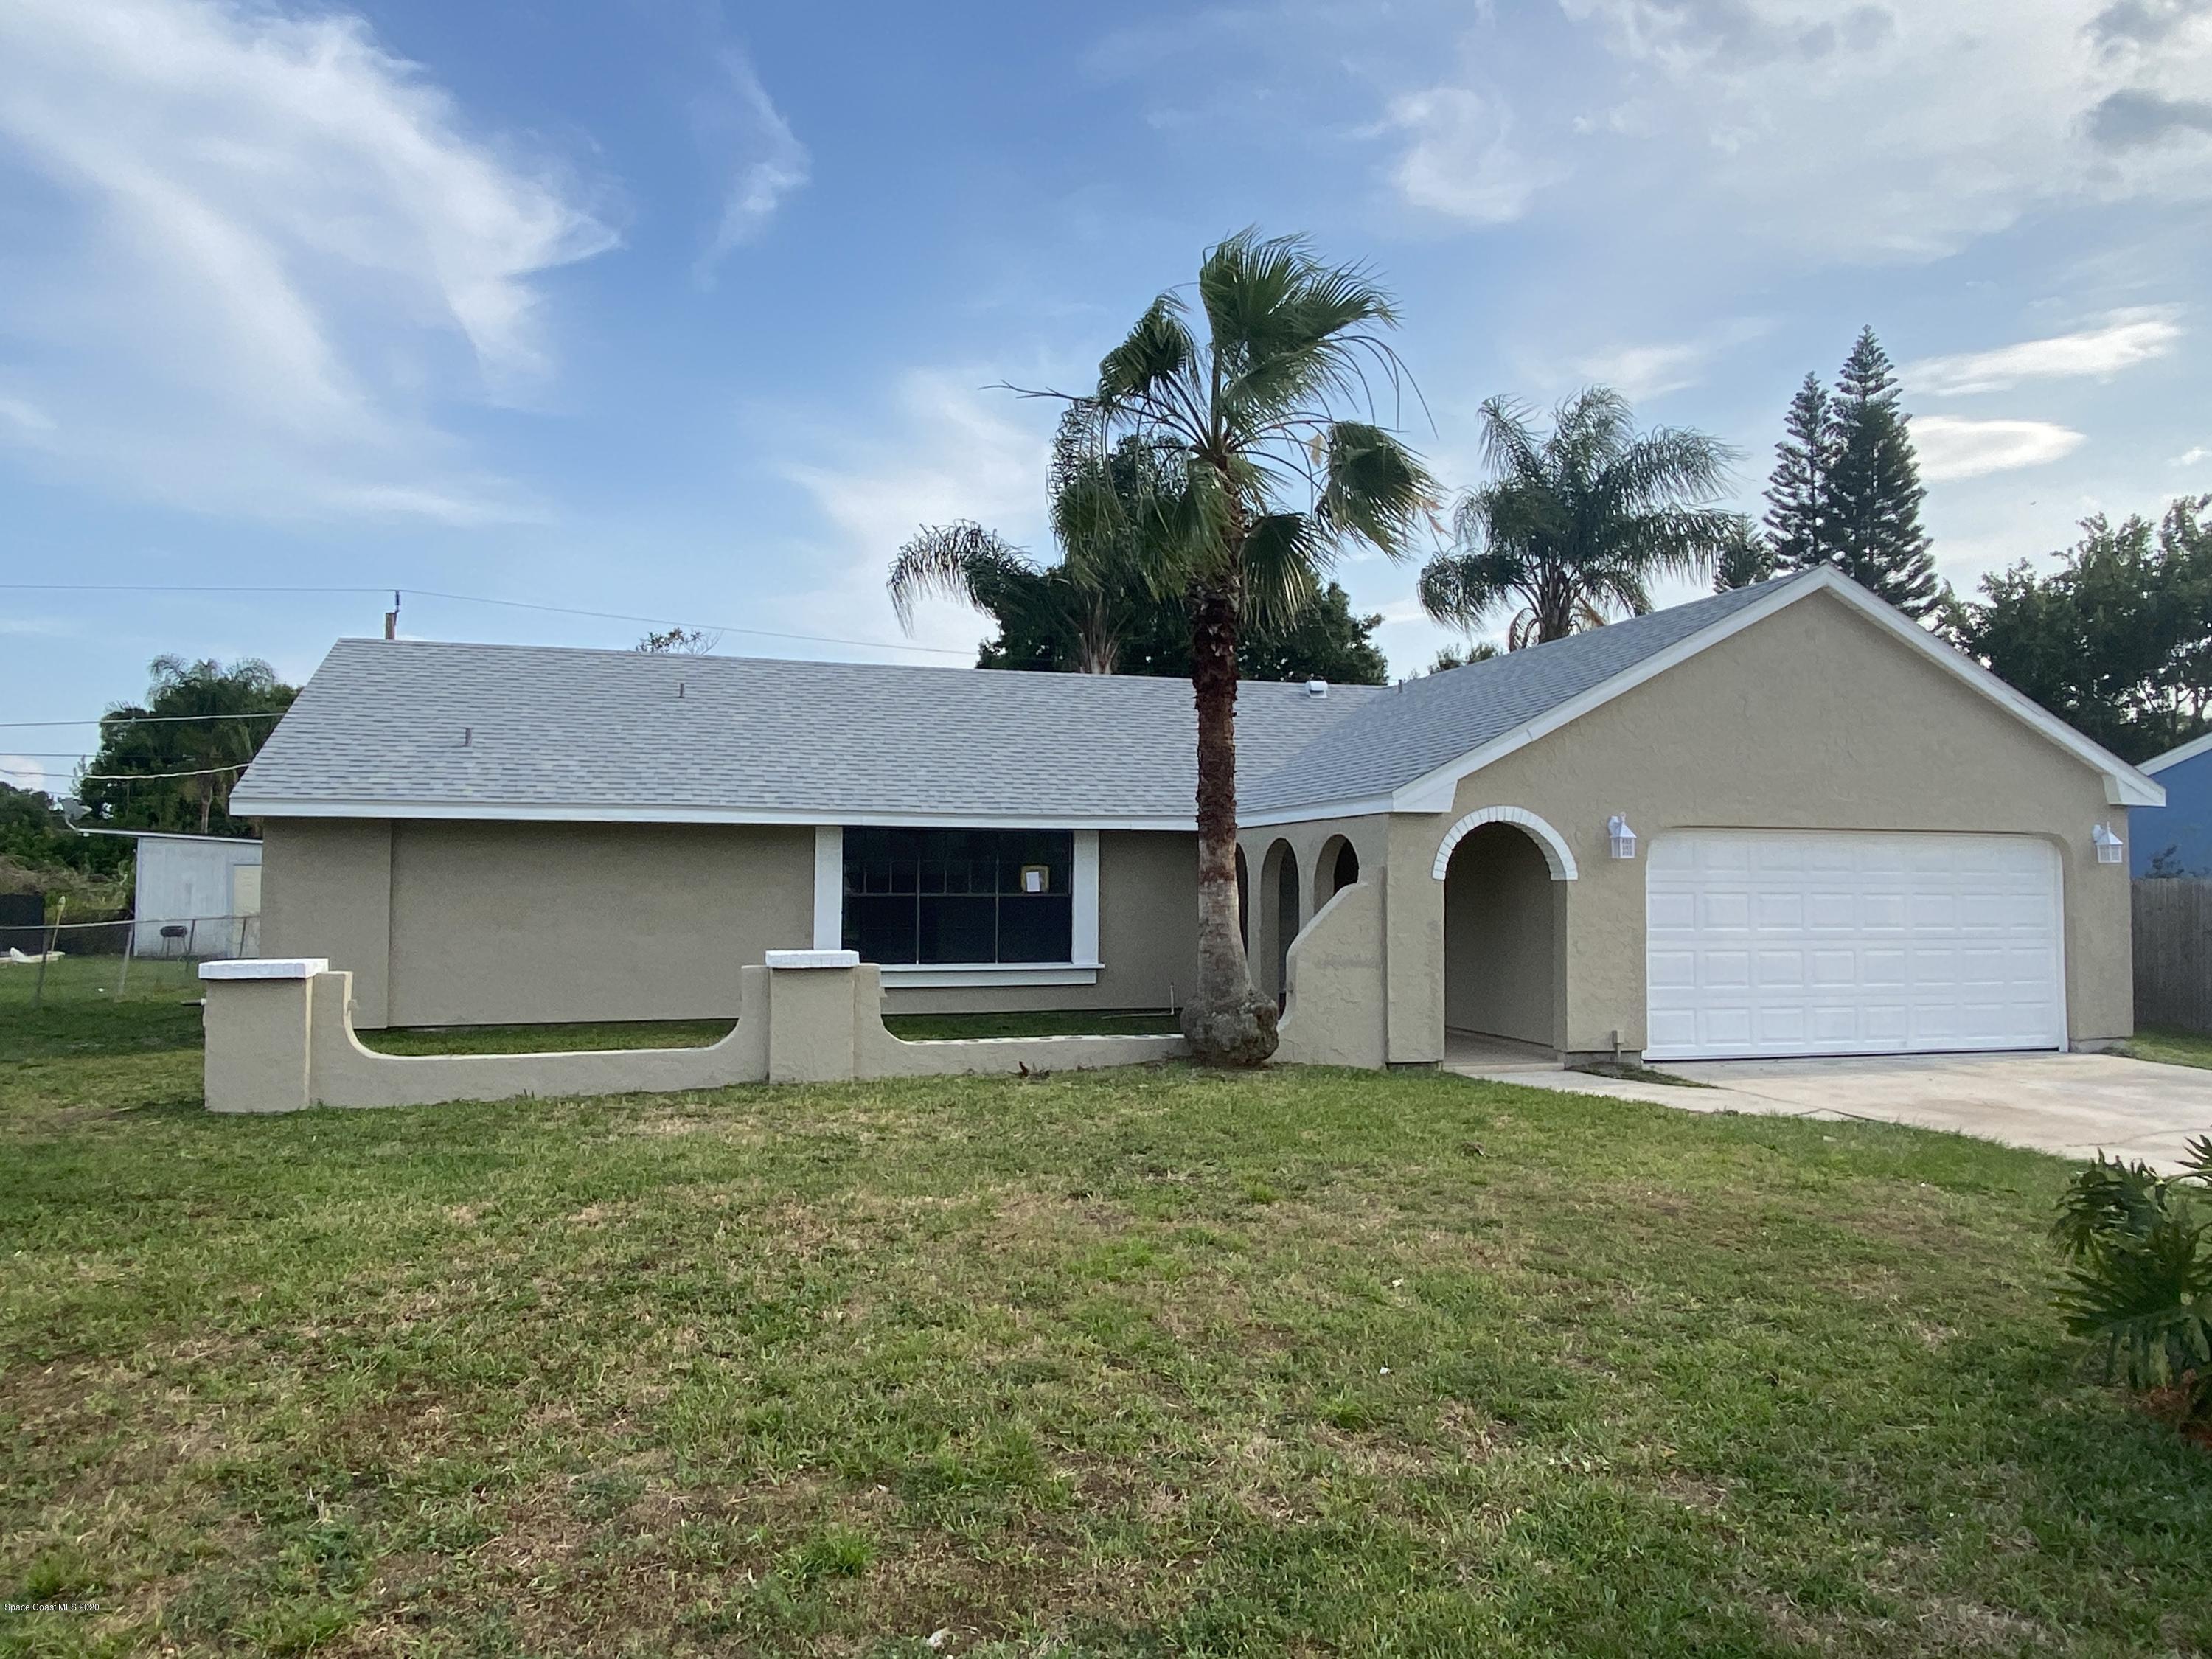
2072 1104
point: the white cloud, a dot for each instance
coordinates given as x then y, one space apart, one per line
771 163
1952 449
26 417
1461 162
1863 131
2124 339
1649 370
276 245
957 453
2192 455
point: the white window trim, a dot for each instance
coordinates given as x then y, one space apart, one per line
1082 969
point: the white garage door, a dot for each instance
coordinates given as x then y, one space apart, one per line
1839 943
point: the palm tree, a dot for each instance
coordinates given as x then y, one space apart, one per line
1267 484
1096 595
1574 526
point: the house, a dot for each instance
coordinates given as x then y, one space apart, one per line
1784 820
2176 839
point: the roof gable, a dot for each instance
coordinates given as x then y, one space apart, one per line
1505 703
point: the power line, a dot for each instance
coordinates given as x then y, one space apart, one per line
480 598
128 777
145 719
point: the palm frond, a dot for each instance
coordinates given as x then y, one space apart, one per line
954 562
1373 488
1286 554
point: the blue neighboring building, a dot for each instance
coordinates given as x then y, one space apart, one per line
2176 839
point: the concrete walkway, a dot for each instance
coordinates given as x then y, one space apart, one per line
2071 1105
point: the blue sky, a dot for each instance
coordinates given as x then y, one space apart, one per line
694 312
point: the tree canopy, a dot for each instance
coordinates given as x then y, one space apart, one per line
2118 641
169 763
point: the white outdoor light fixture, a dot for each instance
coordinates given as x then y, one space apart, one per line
2110 849
1620 840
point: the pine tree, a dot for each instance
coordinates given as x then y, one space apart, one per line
1874 486
1797 518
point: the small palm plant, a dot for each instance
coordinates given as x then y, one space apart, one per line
2141 1283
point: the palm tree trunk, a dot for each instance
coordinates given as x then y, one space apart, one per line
1227 1024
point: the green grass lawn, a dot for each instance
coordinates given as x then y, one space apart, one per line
1149 1363
2171 1047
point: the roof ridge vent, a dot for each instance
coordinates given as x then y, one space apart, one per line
1316 688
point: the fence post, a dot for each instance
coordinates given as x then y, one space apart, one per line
53 942
129 950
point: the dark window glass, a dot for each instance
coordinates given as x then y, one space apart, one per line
958 896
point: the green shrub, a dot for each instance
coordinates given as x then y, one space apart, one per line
2141 1283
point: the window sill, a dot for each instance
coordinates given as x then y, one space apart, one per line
916 975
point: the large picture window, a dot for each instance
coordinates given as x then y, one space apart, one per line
960 895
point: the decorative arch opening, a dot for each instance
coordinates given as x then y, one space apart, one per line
1505 938
1557 854
1336 867
1278 899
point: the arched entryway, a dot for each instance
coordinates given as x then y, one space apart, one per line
1504 912
1335 869
1278 899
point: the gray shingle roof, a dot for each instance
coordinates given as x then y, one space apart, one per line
555 732
1426 723
380 726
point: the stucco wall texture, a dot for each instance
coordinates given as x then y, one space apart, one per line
495 924
283 1045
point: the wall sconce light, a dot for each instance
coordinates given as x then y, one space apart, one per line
1620 840
2110 849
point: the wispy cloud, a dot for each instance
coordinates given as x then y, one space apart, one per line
2192 456
1460 160
1952 449
1653 369
280 246
2123 340
952 452
25 416
769 163
1866 132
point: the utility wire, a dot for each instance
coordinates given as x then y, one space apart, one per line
478 598
146 719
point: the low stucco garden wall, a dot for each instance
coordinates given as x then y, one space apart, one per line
280 1038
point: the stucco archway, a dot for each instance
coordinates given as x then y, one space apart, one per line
1558 856
1275 902
1504 936
1336 867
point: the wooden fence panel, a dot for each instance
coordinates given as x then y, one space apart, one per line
2173 953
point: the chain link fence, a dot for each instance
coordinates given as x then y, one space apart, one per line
120 959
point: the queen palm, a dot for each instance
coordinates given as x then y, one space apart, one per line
1573 526
1096 595
1236 398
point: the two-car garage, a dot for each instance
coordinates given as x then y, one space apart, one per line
1770 942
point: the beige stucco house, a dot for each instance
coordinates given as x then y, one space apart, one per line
1784 820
